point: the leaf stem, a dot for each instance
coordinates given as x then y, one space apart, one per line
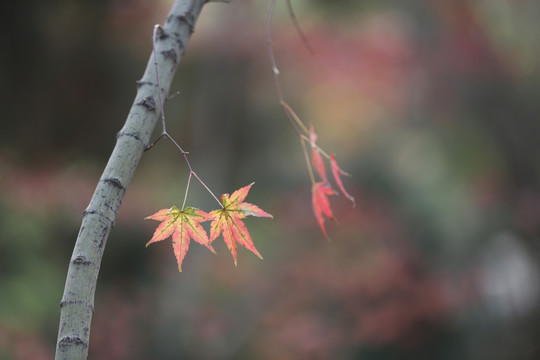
164 132
321 151
208 189
295 117
187 189
308 163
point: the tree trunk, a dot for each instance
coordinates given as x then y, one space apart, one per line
77 305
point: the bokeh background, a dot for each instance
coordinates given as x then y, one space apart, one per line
431 105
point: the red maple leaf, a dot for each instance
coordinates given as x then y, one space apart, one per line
228 221
321 205
316 158
182 225
337 172
321 189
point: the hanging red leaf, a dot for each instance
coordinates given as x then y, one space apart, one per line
337 172
321 205
182 225
312 136
316 158
228 221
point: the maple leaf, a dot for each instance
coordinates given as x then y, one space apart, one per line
182 225
316 158
321 205
337 172
228 221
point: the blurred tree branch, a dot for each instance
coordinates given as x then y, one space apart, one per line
77 305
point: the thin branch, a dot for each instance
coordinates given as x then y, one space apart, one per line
298 28
275 69
295 117
172 96
308 163
269 40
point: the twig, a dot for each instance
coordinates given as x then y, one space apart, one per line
298 28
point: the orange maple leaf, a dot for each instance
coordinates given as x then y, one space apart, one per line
182 225
321 205
228 221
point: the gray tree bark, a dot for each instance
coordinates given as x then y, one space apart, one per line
77 305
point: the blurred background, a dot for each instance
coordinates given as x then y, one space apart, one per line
432 106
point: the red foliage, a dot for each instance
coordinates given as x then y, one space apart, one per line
321 205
